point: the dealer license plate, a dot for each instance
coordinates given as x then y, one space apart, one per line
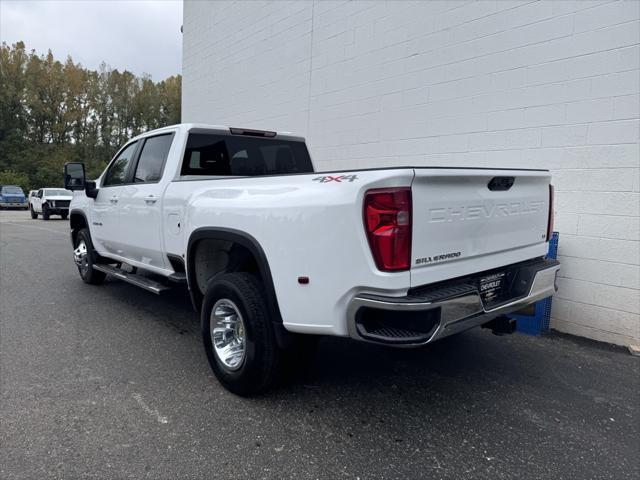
491 286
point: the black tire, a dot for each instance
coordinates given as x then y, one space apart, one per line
87 272
262 362
34 215
45 212
64 216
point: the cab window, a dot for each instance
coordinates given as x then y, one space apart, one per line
117 172
228 155
152 158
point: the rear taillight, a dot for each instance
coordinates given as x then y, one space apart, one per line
387 221
551 214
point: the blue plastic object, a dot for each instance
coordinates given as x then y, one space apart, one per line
538 321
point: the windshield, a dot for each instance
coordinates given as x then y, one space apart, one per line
57 192
11 190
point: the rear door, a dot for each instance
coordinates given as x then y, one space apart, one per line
106 231
466 221
140 203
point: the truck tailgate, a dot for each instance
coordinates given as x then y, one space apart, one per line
467 220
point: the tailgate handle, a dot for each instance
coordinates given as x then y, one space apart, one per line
501 184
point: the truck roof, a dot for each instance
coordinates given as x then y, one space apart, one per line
220 129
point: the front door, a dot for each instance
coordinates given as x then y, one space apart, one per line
106 232
37 201
140 204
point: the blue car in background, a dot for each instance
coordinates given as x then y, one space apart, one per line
12 196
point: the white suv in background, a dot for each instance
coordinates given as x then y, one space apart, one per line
50 201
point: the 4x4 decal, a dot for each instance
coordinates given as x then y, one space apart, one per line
329 178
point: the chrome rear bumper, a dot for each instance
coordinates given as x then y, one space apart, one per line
448 309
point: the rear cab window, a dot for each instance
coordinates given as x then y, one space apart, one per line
214 154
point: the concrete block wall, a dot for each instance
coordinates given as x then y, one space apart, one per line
549 84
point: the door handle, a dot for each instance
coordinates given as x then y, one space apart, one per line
150 199
114 199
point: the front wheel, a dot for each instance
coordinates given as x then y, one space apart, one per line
45 212
34 215
84 255
238 335
64 216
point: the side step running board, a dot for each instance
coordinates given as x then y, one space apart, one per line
133 278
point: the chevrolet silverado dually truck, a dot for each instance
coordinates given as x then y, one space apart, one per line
275 254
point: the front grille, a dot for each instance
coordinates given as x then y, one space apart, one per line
62 203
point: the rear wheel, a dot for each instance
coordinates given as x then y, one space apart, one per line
34 215
238 335
85 256
45 212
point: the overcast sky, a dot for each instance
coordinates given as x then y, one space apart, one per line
136 35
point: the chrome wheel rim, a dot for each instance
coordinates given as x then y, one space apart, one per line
228 335
80 256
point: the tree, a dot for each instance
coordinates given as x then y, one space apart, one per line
53 112
9 177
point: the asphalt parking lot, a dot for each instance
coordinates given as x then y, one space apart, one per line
112 382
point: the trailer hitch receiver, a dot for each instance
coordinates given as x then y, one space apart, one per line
501 325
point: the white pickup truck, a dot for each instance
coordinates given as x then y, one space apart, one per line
275 254
50 201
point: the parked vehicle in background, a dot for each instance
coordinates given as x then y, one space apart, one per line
50 201
12 196
32 193
274 253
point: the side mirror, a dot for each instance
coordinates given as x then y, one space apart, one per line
90 189
74 176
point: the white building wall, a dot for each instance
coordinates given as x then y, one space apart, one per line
551 84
